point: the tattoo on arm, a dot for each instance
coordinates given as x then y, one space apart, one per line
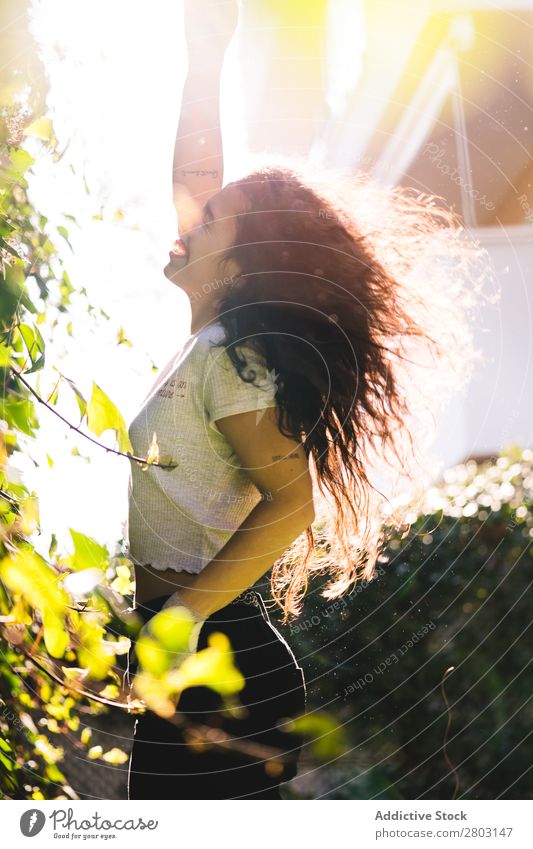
212 173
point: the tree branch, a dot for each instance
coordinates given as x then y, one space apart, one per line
141 460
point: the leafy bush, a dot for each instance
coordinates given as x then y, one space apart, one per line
65 626
427 668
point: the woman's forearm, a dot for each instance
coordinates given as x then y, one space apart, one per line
198 161
197 164
262 538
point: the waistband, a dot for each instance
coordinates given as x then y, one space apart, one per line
248 598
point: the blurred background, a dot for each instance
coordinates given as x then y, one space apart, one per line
434 95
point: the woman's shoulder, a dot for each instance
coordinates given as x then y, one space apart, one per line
211 335
211 341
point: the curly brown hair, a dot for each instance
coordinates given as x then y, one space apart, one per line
333 294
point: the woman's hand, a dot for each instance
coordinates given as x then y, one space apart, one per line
209 28
198 165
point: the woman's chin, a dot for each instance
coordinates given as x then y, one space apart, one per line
173 268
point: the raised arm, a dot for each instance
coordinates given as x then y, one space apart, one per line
197 171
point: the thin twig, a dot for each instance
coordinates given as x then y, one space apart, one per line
448 725
54 389
36 641
141 460
204 733
15 502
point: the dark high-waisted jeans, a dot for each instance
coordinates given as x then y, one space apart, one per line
164 765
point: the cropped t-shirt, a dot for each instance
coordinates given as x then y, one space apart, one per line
181 518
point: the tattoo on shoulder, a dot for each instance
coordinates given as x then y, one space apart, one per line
293 456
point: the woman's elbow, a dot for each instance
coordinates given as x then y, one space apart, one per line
299 513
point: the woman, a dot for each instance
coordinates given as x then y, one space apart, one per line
286 381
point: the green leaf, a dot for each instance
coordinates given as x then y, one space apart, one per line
19 414
82 403
95 657
29 575
40 129
94 752
56 637
6 762
5 356
173 628
122 583
111 691
53 543
86 735
115 756
20 160
49 248
74 673
6 229
54 774
34 345
8 248
102 415
328 740
153 656
64 232
88 554
13 291
212 667
122 339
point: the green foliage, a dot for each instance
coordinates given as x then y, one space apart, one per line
440 634
65 622
165 669
88 554
102 415
34 607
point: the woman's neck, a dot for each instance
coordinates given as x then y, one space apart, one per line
200 318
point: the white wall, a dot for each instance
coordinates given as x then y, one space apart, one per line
497 407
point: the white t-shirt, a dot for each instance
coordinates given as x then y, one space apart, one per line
181 518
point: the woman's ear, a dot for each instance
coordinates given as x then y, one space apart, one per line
230 269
